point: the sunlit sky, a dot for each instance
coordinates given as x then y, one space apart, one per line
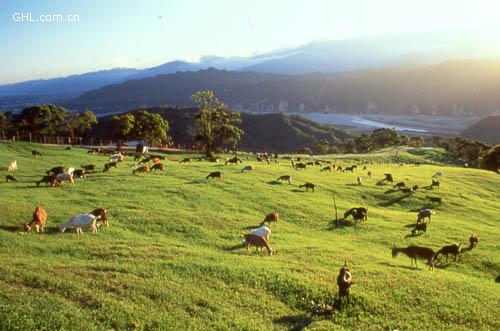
139 34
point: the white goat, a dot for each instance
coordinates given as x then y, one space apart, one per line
248 168
12 166
65 176
263 231
116 157
79 221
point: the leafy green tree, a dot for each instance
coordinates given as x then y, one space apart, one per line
323 146
305 150
123 124
491 160
363 143
150 127
42 119
384 137
437 141
4 123
215 124
334 150
349 145
416 141
79 124
405 140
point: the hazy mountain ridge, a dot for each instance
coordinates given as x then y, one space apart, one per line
486 129
459 88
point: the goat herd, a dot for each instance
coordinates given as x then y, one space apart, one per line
259 237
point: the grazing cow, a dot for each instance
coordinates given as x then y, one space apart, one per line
89 167
101 214
10 178
329 168
435 183
425 213
215 174
407 190
308 186
50 179
79 221
351 168
38 220
317 162
143 169
68 148
339 168
36 154
56 170
285 177
248 168
300 166
310 163
65 176
186 160
388 177
257 241
344 282
158 166
271 218
12 166
359 213
435 199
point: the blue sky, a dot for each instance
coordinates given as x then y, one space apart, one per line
141 34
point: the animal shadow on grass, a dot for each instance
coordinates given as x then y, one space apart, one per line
294 322
393 201
197 181
233 248
274 182
11 228
298 190
497 279
399 266
19 228
341 223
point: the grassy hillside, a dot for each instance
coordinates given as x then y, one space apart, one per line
166 261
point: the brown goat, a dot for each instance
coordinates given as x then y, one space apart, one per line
215 174
257 242
453 249
272 217
344 282
473 240
38 220
101 214
416 252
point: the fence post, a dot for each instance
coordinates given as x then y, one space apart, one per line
57 140
30 137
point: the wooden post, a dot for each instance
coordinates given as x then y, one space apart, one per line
30 137
336 212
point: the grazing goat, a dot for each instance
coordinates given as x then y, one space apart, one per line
51 180
102 215
453 249
359 213
339 168
438 174
80 173
473 240
248 168
414 188
143 169
435 199
308 186
215 174
344 282
257 241
420 227
285 177
10 178
435 183
186 160
12 166
388 177
79 221
425 213
360 180
416 252
89 167
36 154
158 166
65 176
300 166
38 220
272 217
109 165
407 190
263 231
399 185
351 168
56 170
117 157
369 173
234 160
329 168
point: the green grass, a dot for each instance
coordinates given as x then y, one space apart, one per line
165 262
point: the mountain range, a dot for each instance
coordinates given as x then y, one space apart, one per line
314 57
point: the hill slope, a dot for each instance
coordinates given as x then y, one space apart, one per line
485 130
459 88
166 261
